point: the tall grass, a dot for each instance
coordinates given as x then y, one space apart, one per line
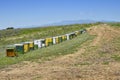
66 47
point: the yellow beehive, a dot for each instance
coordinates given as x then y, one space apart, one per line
31 45
64 37
10 51
26 47
48 41
57 40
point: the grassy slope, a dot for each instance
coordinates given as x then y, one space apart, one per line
28 34
63 48
101 61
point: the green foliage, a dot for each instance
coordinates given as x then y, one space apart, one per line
10 28
106 63
116 57
115 24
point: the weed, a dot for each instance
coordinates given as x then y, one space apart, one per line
105 63
116 57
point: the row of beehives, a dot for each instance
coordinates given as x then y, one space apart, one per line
16 49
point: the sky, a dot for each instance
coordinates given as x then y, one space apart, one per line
21 13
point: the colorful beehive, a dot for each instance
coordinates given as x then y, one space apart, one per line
26 47
77 33
48 41
64 37
19 48
10 51
68 36
40 43
35 46
54 40
83 31
31 45
73 34
59 39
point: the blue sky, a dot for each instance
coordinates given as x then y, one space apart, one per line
20 13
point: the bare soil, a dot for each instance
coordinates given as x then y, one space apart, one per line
85 64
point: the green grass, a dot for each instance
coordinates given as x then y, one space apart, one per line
116 57
13 36
115 24
66 47
28 34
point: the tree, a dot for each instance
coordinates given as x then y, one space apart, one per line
10 28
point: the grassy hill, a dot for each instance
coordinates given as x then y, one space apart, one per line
95 53
13 36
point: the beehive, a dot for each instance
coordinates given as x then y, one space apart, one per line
77 33
10 51
26 47
64 37
40 43
57 40
83 31
48 41
68 36
54 40
60 39
31 45
19 48
73 34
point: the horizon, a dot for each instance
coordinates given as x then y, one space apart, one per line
18 13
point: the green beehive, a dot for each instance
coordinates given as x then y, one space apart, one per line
82 31
35 46
70 36
59 39
19 48
64 37
73 35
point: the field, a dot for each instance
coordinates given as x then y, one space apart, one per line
90 56
12 36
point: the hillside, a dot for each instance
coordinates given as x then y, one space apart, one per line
91 56
12 36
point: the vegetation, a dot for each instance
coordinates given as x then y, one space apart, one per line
12 36
114 24
10 28
63 48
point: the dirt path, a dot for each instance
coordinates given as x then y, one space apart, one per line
68 67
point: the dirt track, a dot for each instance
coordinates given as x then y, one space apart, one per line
75 66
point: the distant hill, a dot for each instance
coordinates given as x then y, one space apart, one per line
67 22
